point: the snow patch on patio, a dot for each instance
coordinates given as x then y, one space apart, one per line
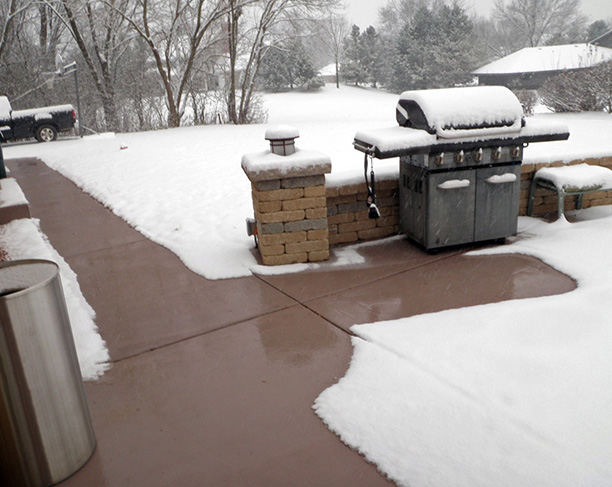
505 394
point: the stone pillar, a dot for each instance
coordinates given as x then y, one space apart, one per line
289 201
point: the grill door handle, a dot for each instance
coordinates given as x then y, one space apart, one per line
454 184
502 178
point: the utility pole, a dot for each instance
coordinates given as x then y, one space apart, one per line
72 68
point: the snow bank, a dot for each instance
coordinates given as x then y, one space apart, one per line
22 239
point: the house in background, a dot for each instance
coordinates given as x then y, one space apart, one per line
530 67
603 40
328 73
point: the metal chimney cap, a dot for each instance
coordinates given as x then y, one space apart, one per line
282 132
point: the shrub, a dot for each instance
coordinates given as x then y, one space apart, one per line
580 90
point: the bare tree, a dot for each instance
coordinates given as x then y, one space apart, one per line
531 23
101 37
333 29
252 28
10 12
175 33
50 32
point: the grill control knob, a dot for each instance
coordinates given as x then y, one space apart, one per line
439 158
496 154
477 155
515 151
459 157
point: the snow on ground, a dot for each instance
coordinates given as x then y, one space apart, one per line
22 239
509 394
184 188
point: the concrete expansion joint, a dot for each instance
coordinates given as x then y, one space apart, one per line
204 333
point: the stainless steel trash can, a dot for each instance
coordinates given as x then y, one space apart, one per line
45 427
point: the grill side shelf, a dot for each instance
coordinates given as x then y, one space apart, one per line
457 145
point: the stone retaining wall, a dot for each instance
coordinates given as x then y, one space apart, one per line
347 213
299 214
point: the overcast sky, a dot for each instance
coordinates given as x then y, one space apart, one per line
365 12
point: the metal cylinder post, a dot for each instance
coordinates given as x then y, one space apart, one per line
45 427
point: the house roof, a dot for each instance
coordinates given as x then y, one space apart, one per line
329 70
603 40
548 58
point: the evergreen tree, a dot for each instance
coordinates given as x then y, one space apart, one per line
596 29
363 57
352 70
371 55
435 49
286 66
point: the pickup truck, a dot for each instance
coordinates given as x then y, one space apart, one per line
43 123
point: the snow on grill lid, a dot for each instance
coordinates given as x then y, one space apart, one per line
446 111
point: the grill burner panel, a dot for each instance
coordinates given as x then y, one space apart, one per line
467 158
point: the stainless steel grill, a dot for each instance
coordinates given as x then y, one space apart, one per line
460 153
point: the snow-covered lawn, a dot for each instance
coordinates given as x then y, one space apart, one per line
517 393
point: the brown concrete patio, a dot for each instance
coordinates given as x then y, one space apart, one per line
212 382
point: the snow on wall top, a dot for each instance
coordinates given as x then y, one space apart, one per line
403 138
11 194
470 106
281 132
548 58
582 177
263 166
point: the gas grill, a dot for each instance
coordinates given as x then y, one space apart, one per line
460 153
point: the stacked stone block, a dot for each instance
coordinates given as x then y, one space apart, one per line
291 216
546 201
288 189
347 212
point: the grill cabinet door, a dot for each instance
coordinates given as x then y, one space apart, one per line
497 200
451 197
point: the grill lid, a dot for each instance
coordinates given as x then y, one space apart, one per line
461 112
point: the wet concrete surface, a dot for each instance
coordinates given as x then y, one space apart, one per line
212 382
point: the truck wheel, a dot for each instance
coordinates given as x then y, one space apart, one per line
46 133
